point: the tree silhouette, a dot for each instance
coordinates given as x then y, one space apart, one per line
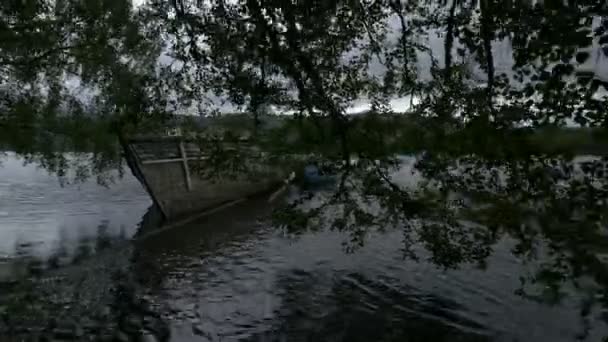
490 139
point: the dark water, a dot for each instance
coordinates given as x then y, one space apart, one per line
232 277
239 281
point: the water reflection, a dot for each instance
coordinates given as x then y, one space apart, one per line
226 279
82 288
44 224
232 276
357 308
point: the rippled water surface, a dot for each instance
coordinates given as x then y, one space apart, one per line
231 277
231 280
42 219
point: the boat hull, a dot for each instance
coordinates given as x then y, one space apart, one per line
169 169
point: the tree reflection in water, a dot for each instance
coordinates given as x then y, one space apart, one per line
357 308
84 287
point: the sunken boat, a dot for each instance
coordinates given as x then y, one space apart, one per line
178 166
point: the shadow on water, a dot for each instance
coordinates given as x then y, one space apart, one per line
357 308
209 232
232 276
197 239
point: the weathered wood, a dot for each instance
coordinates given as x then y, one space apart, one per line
165 167
185 166
138 140
171 160
137 169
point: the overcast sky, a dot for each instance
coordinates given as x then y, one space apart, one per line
503 59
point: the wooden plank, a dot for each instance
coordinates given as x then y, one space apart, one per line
177 224
171 160
138 164
168 139
182 151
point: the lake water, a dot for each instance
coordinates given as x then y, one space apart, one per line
231 277
40 218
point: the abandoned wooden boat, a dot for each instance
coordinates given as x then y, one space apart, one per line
169 167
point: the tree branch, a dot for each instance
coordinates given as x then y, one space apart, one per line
449 38
486 36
